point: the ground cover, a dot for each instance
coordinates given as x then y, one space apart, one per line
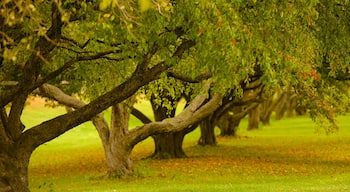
289 155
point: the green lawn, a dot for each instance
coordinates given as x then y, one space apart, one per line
287 156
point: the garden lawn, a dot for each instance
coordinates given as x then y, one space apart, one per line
288 155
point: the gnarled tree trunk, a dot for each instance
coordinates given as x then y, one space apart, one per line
167 145
14 157
117 148
118 158
13 169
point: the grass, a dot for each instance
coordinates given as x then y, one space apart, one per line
286 156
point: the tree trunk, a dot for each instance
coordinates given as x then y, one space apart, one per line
254 118
169 145
118 157
281 105
118 149
13 170
207 132
267 108
300 110
114 140
228 124
265 120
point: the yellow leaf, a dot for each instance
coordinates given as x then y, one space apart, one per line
145 5
104 4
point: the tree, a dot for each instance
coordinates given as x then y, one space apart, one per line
125 46
36 54
164 100
168 145
118 141
239 106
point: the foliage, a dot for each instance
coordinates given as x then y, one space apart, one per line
289 42
104 51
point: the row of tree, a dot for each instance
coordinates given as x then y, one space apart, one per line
226 59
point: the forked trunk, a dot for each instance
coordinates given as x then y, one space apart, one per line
13 170
117 147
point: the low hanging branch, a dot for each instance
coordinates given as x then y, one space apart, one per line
193 113
14 91
50 129
71 62
57 94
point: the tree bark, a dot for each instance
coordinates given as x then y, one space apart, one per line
118 152
267 108
228 123
281 105
169 145
116 148
254 118
13 168
207 127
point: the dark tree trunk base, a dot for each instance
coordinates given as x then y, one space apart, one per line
254 119
228 125
169 145
207 132
14 172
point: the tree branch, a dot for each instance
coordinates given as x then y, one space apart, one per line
50 129
147 58
34 63
193 113
139 115
8 83
70 63
3 126
185 45
245 111
57 94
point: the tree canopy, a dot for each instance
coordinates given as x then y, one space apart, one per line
106 50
